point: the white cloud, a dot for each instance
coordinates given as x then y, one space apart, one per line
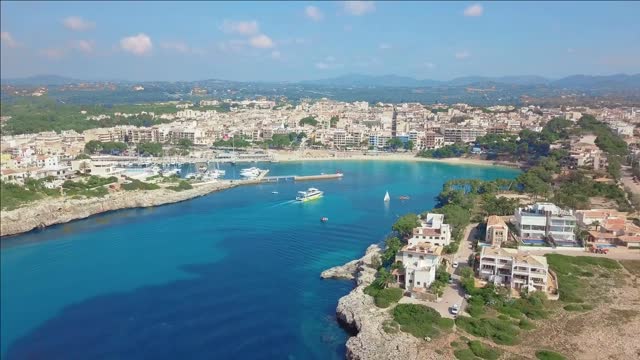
384 46
53 53
358 8
246 28
8 40
474 10
322 66
275 54
177 46
461 55
429 65
261 41
76 23
86 46
313 13
137 44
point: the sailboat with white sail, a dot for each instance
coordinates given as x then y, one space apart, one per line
387 197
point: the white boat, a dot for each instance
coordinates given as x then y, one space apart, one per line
310 194
275 192
387 197
252 172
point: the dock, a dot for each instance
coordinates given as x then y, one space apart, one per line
301 178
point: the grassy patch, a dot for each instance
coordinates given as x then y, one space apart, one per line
385 297
500 331
483 351
632 266
139 185
182 185
421 321
574 273
578 307
549 355
525 324
464 354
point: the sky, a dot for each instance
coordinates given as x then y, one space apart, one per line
292 41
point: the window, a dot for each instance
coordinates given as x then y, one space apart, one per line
418 283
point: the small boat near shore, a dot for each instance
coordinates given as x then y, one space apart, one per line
387 197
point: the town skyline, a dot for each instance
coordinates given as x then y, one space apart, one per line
309 41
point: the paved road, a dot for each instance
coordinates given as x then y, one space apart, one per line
453 294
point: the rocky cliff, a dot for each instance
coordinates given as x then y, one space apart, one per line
61 210
358 314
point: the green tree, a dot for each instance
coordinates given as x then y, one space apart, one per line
614 168
309 120
405 224
392 246
394 143
149 149
409 145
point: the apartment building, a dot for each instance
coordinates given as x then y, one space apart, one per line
420 262
587 155
432 140
546 220
432 230
514 270
462 134
497 231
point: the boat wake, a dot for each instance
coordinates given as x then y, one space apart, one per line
283 203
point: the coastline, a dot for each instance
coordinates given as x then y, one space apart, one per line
54 211
325 156
357 313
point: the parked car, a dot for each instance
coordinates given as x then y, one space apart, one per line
454 309
455 264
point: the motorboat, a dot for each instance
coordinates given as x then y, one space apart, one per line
324 219
252 172
404 197
275 192
310 194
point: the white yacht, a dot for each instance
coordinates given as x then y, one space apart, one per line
310 194
251 172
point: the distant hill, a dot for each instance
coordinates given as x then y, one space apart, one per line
608 83
370 80
40 80
617 82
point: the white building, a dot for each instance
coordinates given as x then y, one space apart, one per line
432 230
514 270
420 262
535 222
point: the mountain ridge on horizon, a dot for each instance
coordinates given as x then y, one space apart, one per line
578 81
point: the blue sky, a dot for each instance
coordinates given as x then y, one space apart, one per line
311 40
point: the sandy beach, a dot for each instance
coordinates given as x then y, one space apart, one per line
322 155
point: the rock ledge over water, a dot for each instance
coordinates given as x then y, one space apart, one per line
61 210
357 312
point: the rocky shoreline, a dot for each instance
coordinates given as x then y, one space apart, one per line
357 313
62 210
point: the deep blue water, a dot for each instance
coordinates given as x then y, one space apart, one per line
232 275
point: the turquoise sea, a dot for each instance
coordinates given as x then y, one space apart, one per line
232 275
